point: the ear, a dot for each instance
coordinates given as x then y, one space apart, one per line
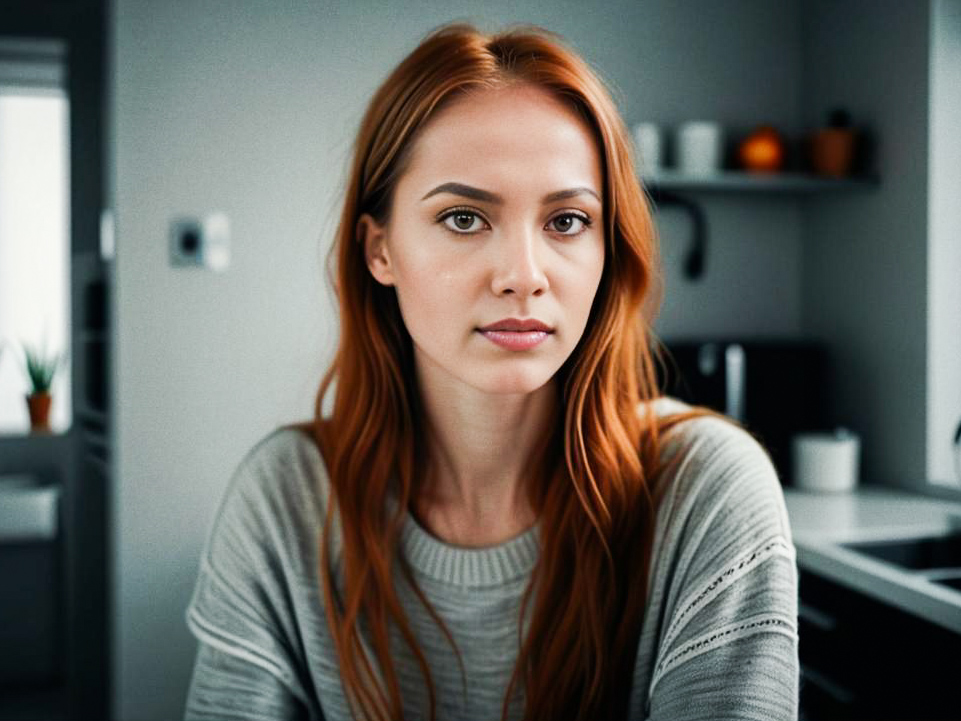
373 238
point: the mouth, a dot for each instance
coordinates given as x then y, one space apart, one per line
515 340
517 325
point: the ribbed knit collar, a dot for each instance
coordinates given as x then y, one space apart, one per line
463 566
490 565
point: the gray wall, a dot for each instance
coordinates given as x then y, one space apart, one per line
880 270
865 257
944 241
249 107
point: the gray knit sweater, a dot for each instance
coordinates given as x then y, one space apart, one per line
719 636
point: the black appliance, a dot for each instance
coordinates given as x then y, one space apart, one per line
774 388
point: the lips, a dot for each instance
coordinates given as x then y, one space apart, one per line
518 325
515 340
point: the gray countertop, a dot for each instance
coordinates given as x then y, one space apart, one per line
820 522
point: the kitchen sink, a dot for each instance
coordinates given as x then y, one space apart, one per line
954 583
916 554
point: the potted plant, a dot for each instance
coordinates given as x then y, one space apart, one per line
40 371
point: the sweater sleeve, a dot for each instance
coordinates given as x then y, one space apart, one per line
730 647
240 612
227 686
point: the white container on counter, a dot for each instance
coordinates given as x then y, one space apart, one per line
826 462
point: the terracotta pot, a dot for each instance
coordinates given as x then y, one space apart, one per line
39 405
832 150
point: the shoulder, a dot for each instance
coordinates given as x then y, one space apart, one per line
280 459
705 436
259 560
722 530
282 447
707 442
723 567
716 469
278 489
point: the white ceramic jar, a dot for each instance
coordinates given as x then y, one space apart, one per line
826 462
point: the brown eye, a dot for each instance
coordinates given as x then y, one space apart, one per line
563 223
462 221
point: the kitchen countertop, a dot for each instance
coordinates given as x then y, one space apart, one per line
822 521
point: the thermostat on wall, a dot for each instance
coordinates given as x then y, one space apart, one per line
203 242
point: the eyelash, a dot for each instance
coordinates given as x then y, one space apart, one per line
585 220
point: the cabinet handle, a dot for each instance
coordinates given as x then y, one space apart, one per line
816 617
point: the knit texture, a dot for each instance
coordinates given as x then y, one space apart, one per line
718 640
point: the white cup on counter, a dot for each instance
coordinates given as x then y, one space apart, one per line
826 462
699 147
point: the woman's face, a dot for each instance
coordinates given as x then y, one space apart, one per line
476 237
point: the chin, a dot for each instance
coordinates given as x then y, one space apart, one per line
512 382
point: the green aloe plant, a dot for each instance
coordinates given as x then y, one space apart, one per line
41 369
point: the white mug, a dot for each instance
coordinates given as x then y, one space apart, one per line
647 142
699 147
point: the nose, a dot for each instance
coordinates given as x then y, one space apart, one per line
518 270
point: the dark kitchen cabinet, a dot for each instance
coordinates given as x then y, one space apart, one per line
865 659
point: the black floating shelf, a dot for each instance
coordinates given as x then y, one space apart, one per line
742 181
670 187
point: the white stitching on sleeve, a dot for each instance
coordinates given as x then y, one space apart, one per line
777 546
761 623
234 645
221 640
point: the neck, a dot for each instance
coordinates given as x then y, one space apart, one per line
475 488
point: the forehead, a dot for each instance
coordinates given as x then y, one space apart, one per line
522 136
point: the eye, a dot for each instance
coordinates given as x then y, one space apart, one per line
463 219
568 220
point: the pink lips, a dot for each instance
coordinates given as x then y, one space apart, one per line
515 340
517 324
516 334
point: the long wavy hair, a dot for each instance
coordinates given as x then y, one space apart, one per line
594 477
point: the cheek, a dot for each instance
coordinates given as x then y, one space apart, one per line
430 293
585 276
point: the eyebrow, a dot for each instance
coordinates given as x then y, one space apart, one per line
486 196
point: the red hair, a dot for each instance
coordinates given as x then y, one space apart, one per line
594 475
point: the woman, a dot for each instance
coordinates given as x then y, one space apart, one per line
500 518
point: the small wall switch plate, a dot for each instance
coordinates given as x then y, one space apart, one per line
185 242
107 242
216 242
203 242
